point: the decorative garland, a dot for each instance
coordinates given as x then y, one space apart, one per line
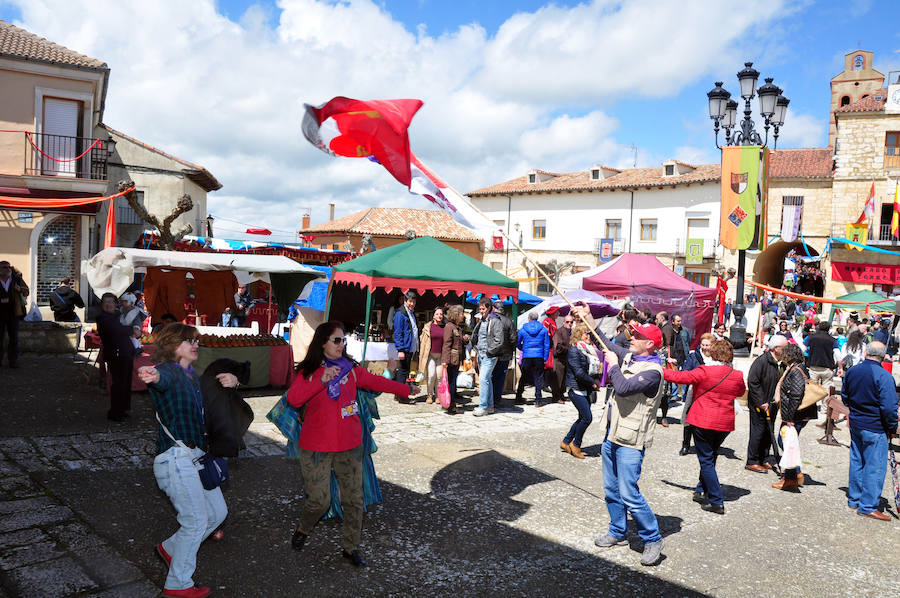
865 247
47 204
813 298
97 143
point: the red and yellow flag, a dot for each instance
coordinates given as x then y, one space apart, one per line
895 217
745 191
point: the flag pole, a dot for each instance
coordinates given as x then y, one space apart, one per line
526 256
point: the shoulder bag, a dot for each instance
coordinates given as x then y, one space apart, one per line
213 471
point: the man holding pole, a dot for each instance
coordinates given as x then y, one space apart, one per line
761 383
637 378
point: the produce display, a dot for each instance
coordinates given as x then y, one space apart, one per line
236 340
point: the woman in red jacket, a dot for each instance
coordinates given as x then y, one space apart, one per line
331 435
716 385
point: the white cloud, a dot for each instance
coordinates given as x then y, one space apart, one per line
539 93
802 130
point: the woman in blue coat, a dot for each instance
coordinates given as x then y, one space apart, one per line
582 377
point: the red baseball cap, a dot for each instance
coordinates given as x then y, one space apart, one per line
650 332
551 310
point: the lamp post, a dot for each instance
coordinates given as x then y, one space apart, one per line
209 225
723 112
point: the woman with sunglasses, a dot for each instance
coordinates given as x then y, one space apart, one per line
331 435
175 389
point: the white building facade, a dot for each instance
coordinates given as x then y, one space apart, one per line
564 217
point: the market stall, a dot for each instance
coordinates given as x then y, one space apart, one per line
862 301
603 309
437 272
646 283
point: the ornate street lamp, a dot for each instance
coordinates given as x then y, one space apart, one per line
723 112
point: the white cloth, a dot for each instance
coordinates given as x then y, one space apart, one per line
6 283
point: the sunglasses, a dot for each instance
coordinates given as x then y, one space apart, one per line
192 341
337 340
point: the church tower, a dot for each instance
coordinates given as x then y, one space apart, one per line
859 80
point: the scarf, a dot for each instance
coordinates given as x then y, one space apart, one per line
593 356
653 357
334 385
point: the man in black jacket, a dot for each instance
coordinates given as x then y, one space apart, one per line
63 301
761 382
820 361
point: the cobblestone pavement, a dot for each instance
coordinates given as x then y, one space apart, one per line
471 506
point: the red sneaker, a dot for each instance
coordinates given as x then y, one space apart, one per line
195 592
163 554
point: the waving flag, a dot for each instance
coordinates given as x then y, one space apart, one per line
869 209
895 217
361 129
377 129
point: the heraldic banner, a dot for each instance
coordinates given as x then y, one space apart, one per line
745 190
693 252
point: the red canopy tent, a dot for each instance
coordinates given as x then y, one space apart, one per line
647 284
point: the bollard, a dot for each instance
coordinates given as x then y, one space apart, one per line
828 439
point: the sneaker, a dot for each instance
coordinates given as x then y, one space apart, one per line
608 540
195 592
652 554
479 412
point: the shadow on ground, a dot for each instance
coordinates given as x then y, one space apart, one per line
455 540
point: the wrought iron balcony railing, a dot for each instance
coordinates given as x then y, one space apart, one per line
64 156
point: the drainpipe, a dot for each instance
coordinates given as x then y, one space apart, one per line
506 241
631 221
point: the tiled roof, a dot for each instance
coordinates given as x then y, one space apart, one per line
395 222
868 104
194 172
815 163
15 42
581 181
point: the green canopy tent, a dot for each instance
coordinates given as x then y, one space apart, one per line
865 297
423 265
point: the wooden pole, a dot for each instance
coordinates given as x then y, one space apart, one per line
528 258
366 326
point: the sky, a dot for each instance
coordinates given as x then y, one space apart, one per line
507 85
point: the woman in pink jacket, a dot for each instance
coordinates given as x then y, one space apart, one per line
716 385
331 434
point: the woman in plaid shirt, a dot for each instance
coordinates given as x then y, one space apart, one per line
175 389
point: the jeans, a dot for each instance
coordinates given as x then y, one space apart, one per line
486 367
868 466
199 512
402 371
707 443
686 427
576 432
621 471
498 379
11 328
532 369
452 373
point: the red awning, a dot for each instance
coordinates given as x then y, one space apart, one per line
18 192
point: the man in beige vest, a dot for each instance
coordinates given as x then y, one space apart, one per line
637 378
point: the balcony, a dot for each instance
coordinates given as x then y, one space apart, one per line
891 159
617 248
879 234
63 156
709 246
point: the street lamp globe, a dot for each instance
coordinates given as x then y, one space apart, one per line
781 104
730 114
748 76
767 96
718 97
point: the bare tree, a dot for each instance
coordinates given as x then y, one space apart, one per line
167 238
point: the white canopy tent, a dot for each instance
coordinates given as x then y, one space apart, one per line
573 281
112 270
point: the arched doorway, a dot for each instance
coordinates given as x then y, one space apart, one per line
768 268
57 251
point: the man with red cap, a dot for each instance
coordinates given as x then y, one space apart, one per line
637 378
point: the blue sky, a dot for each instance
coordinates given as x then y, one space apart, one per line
508 86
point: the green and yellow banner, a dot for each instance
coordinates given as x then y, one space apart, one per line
693 251
745 192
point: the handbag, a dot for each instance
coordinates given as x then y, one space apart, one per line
443 390
213 471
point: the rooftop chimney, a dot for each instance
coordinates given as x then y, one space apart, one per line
331 211
305 224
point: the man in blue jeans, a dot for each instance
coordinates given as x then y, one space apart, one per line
869 392
487 338
637 378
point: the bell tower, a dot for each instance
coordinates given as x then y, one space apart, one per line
858 80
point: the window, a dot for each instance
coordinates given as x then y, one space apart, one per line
323 246
614 229
336 246
61 126
498 266
648 229
125 214
892 149
532 178
845 101
543 287
538 229
701 278
887 211
697 228
670 169
595 174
